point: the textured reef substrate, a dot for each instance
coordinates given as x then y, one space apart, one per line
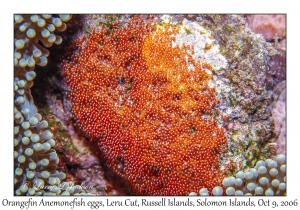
244 101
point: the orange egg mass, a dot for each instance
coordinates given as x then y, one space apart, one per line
149 106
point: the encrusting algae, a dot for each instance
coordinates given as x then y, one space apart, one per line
148 103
